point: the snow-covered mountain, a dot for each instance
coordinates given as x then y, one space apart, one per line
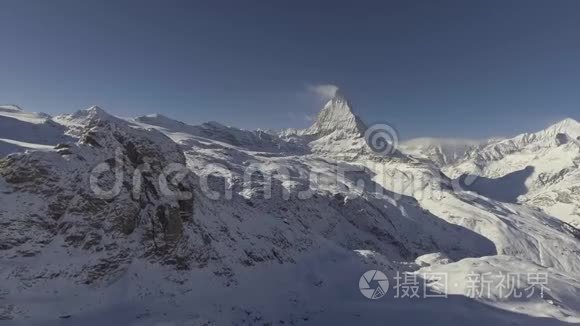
441 151
541 169
253 140
339 133
336 117
149 221
21 130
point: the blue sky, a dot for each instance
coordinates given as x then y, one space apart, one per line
429 68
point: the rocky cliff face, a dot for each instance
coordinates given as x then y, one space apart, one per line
337 132
83 201
337 117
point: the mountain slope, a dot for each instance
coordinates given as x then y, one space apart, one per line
337 132
441 151
163 222
336 116
552 155
252 140
20 130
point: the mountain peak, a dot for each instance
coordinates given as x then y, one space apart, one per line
567 123
95 108
337 114
86 116
339 95
567 126
94 112
10 108
158 119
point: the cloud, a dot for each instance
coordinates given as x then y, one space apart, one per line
324 91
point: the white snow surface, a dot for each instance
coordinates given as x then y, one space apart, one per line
290 254
441 151
20 130
540 168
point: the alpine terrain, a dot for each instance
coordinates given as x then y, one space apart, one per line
151 221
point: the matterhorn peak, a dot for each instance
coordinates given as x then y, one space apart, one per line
337 115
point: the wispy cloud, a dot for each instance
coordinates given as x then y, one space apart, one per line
324 91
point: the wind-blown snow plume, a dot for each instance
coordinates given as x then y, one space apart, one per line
324 91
